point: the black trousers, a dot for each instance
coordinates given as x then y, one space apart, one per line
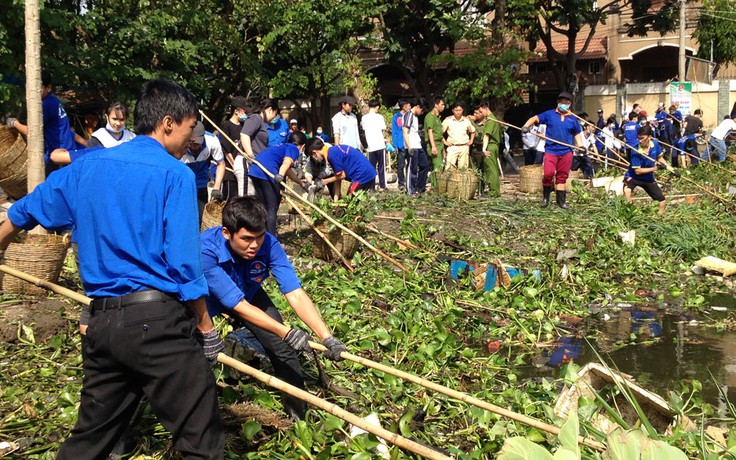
284 359
401 164
269 195
378 160
202 196
145 349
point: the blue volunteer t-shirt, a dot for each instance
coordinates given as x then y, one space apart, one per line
644 159
272 158
57 132
560 127
231 278
352 162
397 132
630 130
278 132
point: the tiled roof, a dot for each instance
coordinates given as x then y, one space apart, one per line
597 49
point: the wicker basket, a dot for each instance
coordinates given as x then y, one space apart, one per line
530 178
13 159
41 256
441 178
573 176
345 243
212 215
468 186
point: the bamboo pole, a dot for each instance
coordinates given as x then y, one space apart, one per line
408 244
312 205
83 299
320 234
333 409
593 444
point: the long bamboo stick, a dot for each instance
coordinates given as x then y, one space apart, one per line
408 244
312 205
333 409
327 241
460 396
83 299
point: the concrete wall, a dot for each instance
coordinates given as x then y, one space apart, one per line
716 100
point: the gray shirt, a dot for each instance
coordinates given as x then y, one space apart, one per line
256 129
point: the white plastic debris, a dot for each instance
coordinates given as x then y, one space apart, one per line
382 448
628 237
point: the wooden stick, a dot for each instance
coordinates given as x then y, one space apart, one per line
320 234
312 205
83 299
461 396
408 244
333 409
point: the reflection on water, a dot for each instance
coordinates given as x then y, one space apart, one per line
663 349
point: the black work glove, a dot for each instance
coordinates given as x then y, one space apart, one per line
318 185
298 340
278 178
216 196
211 344
524 129
322 174
661 166
676 173
581 151
334 348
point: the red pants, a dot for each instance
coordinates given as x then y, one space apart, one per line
557 167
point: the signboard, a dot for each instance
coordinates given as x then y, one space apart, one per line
682 94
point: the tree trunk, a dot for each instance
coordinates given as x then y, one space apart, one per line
36 169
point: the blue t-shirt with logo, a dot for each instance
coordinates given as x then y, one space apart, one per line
231 278
57 132
352 162
642 159
560 127
278 132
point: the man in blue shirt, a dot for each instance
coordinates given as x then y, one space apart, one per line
630 128
278 131
563 127
205 148
397 136
139 259
57 132
347 163
237 258
645 159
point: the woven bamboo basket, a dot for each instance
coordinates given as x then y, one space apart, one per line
574 175
345 243
212 215
454 177
530 178
468 185
13 159
441 178
41 256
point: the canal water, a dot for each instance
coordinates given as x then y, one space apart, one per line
659 349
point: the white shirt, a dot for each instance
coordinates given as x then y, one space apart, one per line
374 125
411 122
722 130
530 139
107 140
345 126
541 130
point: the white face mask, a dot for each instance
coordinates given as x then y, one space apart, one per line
110 128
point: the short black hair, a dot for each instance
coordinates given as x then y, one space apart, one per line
645 130
159 98
437 100
402 103
270 104
374 103
297 138
244 212
457 104
633 115
315 143
46 79
419 102
698 112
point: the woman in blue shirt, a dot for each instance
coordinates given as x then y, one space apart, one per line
277 160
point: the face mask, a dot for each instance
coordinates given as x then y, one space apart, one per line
319 131
242 118
109 128
563 107
274 120
642 123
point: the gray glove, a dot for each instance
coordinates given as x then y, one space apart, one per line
278 178
334 348
661 166
298 340
525 129
211 344
11 121
318 185
216 196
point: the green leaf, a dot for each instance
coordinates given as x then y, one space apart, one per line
569 437
249 429
519 448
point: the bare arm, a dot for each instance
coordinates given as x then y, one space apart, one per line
304 308
406 138
7 233
23 129
80 140
219 174
199 307
247 146
60 157
286 166
258 317
531 122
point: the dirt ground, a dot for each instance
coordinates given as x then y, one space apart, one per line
48 317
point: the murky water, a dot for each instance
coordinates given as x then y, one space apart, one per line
658 349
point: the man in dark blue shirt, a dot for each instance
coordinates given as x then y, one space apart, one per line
139 259
237 259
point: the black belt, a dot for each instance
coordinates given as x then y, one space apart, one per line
150 295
